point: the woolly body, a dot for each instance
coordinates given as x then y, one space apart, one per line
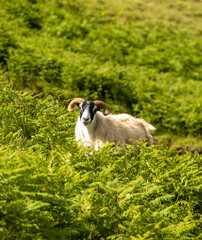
113 128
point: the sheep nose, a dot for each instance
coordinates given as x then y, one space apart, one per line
85 120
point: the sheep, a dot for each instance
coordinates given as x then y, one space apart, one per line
93 128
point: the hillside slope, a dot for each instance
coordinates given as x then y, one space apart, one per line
149 66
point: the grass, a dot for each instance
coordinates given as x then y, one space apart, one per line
180 15
191 144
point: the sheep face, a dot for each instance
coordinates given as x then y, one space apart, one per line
87 112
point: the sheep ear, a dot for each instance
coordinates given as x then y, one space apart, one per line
103 106
96 108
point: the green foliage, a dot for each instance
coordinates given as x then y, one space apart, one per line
152 70
51 189
26 120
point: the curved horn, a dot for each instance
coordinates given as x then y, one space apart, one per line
73 102
103 106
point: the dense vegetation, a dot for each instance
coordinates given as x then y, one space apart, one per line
51 189
141 61
154 71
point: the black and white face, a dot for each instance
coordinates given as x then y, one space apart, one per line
87 112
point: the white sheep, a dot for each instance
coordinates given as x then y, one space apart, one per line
95 129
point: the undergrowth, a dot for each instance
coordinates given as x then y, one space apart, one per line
52 189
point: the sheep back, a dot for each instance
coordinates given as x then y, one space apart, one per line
121 129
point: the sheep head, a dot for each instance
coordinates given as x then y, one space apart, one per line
78 101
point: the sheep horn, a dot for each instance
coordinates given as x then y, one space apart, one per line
73 102
103 106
